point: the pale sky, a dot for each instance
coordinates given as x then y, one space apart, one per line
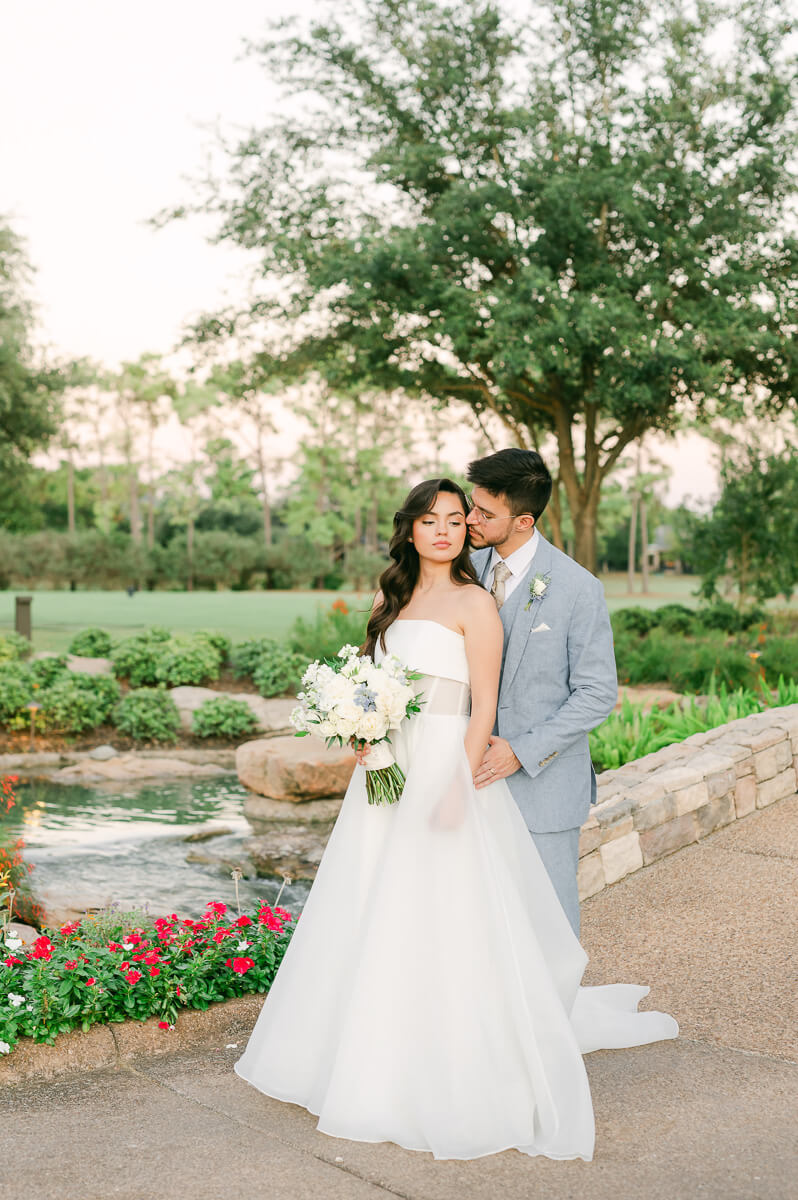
107 108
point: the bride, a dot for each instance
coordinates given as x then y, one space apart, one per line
430 995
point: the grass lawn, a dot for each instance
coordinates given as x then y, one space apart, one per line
57 616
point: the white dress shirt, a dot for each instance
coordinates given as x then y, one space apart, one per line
518 562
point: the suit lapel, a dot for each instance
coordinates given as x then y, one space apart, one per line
521 619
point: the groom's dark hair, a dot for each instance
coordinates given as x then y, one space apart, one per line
519 475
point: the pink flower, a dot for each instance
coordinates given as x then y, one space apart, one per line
282 912
240 965
70 966
217 907
70 928
90 981
163 1024
155 970
114 946
133 976
242 921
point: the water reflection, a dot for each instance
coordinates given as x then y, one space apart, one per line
126 843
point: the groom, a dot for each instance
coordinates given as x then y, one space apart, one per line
558 676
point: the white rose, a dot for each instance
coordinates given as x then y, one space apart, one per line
372 726
538 587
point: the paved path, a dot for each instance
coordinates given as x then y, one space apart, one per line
714 929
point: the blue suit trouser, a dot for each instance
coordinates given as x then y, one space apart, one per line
560 854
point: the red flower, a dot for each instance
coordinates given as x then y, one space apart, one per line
178 990
90 981
133 976
155 970
220 935
284 913
114 946
151 956
242 921
163 1024
240 965
11 960
217 907
72 927
42 948
70 966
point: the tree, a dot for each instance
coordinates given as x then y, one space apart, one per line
28 390
749 542
575 221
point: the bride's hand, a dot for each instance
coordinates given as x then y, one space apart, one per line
361 750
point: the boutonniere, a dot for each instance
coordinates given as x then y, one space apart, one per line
537 588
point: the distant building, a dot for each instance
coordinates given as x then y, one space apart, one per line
663 551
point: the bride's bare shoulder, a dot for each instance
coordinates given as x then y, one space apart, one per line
477 604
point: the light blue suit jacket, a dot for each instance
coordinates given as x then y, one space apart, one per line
558 681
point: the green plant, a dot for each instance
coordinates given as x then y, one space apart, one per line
16 690
330 629
278 671
45 671
245 656
633 620
148 715
91 643
70 708
675 618
91 972
136 658
13 647
187 660
223 717
220 642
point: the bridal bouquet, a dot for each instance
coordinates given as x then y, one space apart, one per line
352 697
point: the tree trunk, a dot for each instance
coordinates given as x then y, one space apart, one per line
553 516
644 543
190 555
70 493
630 561
586 533
372 526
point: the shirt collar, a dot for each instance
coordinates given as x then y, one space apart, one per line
519 561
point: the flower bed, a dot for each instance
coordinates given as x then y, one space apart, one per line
91 972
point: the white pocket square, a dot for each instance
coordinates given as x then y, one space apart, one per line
542 628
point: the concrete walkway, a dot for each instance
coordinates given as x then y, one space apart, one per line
713 929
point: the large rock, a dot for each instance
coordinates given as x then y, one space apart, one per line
90 666
294 852
271 715
263 811
291 768
125 767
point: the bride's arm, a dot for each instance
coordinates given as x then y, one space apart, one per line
484 638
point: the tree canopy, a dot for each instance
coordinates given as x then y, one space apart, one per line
575 220
27 390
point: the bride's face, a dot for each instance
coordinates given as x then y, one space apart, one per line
439 535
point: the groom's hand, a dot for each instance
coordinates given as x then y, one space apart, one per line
498 762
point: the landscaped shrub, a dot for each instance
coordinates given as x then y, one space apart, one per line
13 647
779 656
330 629
148 715
675 618
223 717
187 660
136 658
91 643
71 707
724 616
16 690
71 979
633 620
273 666
45 671
219 641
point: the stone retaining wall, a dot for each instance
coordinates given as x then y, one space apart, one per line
666 800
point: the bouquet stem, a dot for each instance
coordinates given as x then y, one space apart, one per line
384 785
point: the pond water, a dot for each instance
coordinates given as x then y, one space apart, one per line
126 844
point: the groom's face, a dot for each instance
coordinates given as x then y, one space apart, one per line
490 522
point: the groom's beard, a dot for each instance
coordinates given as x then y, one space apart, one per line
481 541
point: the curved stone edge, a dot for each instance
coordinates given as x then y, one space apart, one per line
664 801
119 1042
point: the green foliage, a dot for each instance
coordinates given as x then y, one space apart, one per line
91 643
593 241
220 642
780 658
633 620
45 671
750 540
187 660
632 733
223 717
16 690
77 702
674 618
136 658
724 616
278 670
75 978
331 629
13 647
148 715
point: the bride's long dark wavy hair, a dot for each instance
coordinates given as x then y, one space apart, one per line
401 576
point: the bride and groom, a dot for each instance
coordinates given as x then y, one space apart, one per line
431 993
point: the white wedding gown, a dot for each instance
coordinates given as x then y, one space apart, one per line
430 994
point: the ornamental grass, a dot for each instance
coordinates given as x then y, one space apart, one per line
71 979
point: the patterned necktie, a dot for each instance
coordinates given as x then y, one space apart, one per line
501 573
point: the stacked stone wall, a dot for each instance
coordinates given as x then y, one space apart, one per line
657 804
